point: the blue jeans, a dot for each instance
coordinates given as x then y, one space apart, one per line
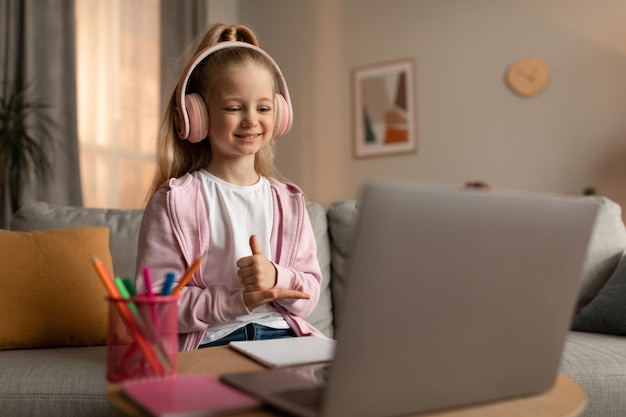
251 331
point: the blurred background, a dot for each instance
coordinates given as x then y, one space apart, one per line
125 56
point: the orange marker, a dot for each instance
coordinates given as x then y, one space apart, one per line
188 274
126 315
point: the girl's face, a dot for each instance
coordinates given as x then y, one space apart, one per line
241 112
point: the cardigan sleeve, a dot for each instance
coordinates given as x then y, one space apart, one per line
298 267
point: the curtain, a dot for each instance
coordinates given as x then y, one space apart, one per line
128 63
37 47
118 78
181 21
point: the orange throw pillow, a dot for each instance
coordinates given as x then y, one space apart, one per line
51 295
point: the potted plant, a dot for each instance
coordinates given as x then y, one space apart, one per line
26 142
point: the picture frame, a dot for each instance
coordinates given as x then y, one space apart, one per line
384 109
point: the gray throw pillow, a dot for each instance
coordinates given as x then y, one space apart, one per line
322 316
606 313
607 244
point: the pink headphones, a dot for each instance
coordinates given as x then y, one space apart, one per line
191 118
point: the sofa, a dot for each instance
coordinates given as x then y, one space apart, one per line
59 369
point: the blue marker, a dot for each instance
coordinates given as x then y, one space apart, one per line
169 283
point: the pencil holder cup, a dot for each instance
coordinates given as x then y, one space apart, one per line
142 337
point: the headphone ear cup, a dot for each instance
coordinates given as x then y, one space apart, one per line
282 116
198 118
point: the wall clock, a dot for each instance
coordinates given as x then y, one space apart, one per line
528 77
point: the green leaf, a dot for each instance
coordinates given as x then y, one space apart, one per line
27 142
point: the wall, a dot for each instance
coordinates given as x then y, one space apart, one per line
226 11
470 126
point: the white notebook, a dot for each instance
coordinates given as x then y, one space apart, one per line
276 353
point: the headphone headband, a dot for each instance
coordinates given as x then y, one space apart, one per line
182 113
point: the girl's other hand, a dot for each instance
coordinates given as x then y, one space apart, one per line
254 299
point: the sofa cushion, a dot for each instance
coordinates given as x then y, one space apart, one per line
606 313
596 362
606 246
124 225
322 316
55 382
342 217
51 295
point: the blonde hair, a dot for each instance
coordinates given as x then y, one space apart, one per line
175 157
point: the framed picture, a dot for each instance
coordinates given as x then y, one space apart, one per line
384 113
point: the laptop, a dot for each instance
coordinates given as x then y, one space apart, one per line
455 297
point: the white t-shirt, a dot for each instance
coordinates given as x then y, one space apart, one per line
235 212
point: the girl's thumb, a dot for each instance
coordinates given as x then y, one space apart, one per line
254 246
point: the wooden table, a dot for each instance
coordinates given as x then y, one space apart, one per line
565 399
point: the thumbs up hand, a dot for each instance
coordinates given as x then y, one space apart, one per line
258 276
256 271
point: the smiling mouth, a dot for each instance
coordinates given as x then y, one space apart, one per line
248 136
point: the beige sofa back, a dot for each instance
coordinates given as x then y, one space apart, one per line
334 229
124 231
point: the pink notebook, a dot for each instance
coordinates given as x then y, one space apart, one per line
187 396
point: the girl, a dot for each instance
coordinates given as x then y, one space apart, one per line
214 194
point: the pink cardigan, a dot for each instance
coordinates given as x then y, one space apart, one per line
174 232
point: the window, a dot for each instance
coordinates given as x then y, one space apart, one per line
118 82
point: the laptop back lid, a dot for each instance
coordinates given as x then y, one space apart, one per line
455 296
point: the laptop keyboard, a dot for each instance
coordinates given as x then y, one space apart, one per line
307 398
